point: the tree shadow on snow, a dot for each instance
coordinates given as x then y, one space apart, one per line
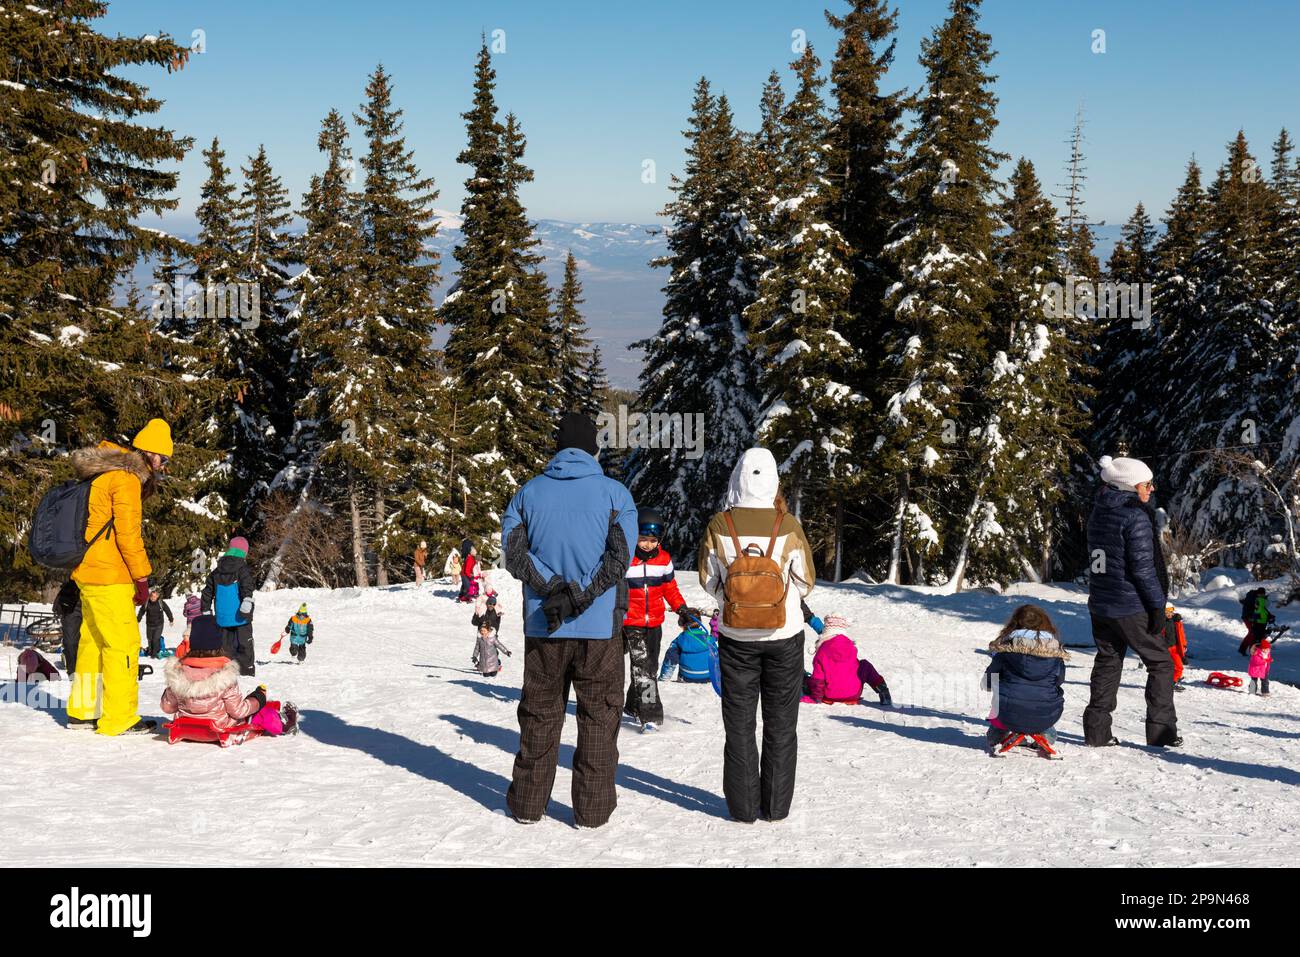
634 779
425 760
955 737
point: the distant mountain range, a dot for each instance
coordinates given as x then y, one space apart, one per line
624 295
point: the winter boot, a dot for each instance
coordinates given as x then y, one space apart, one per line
88 723
143 726
882 689
649 726
289 717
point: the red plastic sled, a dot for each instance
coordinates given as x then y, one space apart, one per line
202 729
1218 679
1014 738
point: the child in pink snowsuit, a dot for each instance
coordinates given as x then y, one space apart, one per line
838 674
1261 659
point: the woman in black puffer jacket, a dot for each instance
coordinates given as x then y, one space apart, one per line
1126 599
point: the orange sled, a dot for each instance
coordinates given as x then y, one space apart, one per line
1014 738
202 729
1218 679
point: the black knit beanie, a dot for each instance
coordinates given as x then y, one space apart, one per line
576 431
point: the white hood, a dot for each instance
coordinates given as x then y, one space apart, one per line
754 480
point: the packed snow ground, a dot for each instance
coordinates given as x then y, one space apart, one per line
405 755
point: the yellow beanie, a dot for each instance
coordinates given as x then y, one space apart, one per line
155 437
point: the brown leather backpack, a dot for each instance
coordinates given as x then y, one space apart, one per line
755 588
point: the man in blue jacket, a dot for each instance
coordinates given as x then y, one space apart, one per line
568 536
1126 599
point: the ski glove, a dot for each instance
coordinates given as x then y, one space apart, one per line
309 639
816 624
141 591
1156 622
258 694
558 606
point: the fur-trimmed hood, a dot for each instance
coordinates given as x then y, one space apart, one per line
188 682
108 457
1039 644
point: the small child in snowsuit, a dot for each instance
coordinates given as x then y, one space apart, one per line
1257 617
1261 659
485 651
1176 639
152 612
486 613
469 573
1027 677
300 630
205 684
688 655
228 595
838 674
192 609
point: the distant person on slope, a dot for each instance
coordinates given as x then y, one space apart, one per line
1126 599
301 631
152 612
755 562
114 574
420 558
651 584
568 535
228 594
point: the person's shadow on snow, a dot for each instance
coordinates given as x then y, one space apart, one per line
501 692
940 735
427 761
634 779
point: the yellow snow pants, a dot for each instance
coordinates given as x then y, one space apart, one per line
110 646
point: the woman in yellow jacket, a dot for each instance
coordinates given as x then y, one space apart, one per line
112 577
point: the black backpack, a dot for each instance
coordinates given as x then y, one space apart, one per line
58 535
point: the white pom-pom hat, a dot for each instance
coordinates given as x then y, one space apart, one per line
1126 474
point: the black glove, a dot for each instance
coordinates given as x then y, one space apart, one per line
558 606
259 695
1156 622
309 639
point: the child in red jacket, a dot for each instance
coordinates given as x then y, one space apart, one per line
651 585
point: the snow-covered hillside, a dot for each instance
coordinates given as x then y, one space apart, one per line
405 756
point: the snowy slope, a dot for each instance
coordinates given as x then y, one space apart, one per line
405 757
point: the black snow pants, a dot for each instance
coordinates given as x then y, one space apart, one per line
299 651
594 669
773 672
238 646
152 635
1113 637
643 690
70 624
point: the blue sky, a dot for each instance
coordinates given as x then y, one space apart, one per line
601 86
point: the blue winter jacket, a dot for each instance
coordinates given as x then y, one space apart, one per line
1028 696
1130 583
689 652
572 524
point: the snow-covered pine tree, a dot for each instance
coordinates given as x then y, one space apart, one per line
1076 233
572 342
594 389
497 311
700 359
811 411
1224 388
1127 355
73 369
936 342
397 272
1031 403
265 254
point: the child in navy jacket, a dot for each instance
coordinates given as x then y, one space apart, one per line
1026 676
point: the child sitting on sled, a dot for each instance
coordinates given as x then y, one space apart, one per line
688 655
205 685
1026 676
838 675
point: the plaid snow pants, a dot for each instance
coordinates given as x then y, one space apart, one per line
594 668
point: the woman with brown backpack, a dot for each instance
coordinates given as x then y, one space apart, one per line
755 562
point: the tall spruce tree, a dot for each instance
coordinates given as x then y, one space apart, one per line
594 390
1224 390
811 411
699 362
497 311
397 272
82 168
936 343
572 342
